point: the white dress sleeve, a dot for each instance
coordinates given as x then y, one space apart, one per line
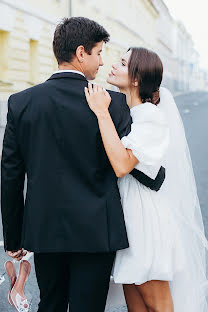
148 139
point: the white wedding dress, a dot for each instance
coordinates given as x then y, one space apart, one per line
165 228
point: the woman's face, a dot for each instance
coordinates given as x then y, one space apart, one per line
119 76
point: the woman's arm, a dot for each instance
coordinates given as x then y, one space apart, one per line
121 159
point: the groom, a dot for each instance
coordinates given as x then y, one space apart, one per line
72 217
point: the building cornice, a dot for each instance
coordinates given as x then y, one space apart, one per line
4 83
28 9
167 9
165 45
162 8
149 4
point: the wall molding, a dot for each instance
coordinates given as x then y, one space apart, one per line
7 17
28 9
34 27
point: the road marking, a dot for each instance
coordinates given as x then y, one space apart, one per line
186 111
1 243
2 279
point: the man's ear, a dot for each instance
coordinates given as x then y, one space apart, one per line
80 53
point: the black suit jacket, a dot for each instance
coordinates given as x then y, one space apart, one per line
72 202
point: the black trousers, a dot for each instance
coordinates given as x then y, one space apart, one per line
80 280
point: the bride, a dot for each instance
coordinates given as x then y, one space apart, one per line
164 268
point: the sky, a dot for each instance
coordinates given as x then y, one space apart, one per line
194 15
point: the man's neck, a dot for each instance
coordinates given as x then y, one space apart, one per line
70 66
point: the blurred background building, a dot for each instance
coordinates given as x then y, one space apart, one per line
26 32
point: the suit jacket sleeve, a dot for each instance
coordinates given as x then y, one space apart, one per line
124 128
125 121
12 186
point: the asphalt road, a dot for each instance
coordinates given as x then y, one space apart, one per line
194 111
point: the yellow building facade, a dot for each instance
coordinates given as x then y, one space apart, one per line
26 56
26 31
27 28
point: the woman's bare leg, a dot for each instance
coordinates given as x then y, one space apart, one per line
157 296
134 300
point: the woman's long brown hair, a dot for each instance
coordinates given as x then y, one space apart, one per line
146 67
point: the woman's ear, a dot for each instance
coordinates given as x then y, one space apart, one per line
135 83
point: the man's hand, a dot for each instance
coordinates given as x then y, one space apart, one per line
17 255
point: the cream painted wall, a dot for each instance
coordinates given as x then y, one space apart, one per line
26 33
33 22
55 8
28 28
26 56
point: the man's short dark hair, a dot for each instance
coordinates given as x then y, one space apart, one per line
73 32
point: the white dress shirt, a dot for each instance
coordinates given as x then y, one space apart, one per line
69 71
